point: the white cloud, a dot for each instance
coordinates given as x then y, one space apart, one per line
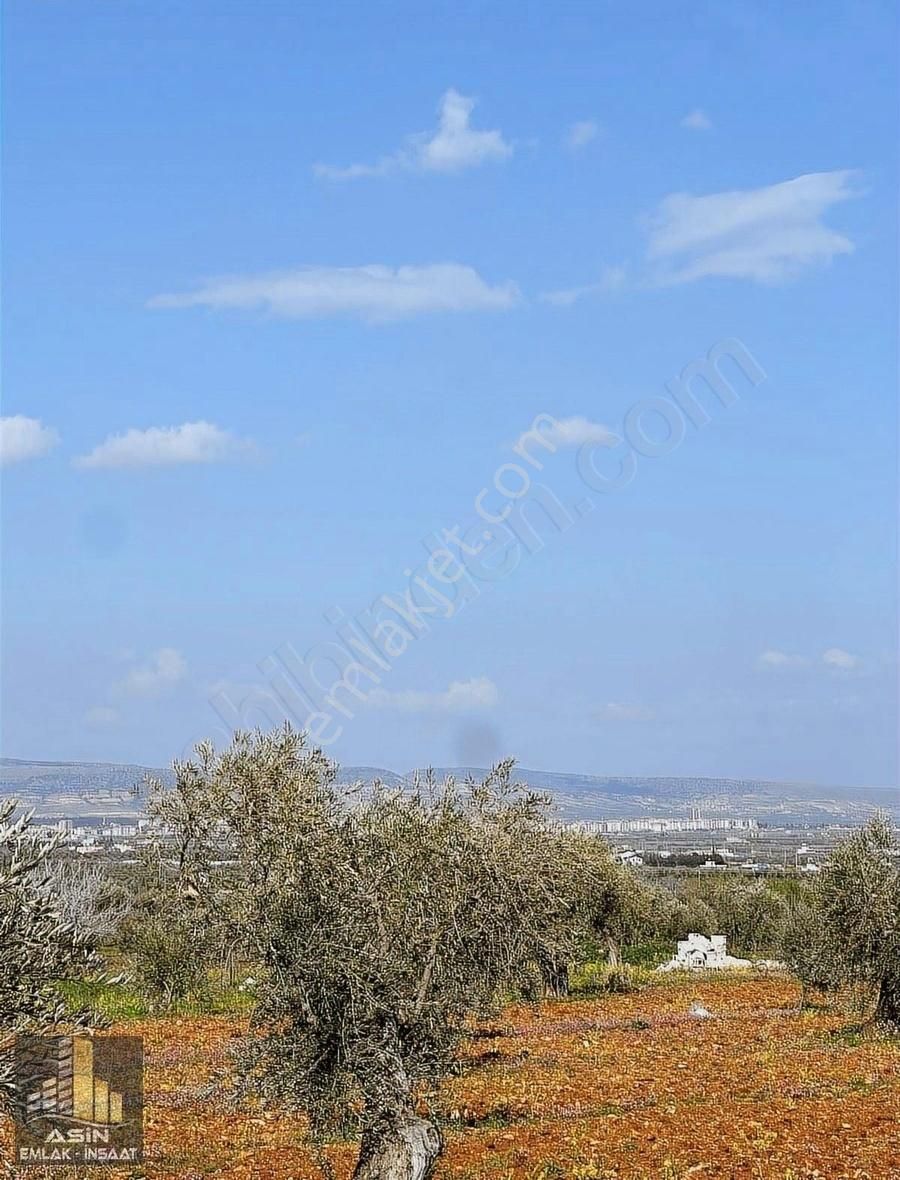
772 658
24 438
612 278
166 446
576 431
843 661
382 167
165 668
580 134
697 120
461 696
765 234
101 716
616 711
835 658
377 294
453 147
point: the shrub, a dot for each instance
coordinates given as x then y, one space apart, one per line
169 960
621 979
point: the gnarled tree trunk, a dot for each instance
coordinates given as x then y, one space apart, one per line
402 1147
613 958
397 1144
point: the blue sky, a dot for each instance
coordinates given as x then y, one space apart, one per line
286 283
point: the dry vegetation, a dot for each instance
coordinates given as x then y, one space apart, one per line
628 1086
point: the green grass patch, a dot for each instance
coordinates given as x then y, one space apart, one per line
123 1001
599 979
112 1001
649 954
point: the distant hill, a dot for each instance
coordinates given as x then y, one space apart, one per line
78 789
93 789
584 796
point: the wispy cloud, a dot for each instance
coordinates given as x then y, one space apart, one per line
382 167
842 661
612 278
580 134
617 711
24 438
454 146
576 431
773 658
461 696
166 446
765 234
778 659
835 658
377 294
165 668
696 120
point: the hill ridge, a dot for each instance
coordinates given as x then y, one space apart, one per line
60 788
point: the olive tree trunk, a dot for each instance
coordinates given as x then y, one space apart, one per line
401 1147
556 978
397 1143
888 1009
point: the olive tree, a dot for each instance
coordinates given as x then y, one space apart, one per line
38 944
385 920
681 916
807 946
751 914
856 916
608 902
586 864
623 908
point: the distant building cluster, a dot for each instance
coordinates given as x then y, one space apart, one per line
697 823
88 840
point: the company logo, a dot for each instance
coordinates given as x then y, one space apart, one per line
79 1100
